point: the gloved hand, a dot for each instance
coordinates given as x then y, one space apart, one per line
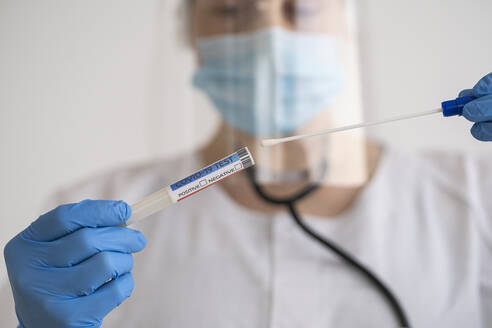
480 110
71 266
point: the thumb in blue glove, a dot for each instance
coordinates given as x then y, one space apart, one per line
480 109
71 267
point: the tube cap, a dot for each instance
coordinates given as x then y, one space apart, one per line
455 107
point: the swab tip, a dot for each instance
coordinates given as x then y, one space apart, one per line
269 142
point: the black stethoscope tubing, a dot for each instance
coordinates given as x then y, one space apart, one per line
389 296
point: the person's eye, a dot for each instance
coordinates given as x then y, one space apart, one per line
226 10
298 10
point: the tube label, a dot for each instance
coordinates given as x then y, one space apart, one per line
211 174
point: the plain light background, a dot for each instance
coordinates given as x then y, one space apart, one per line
86 86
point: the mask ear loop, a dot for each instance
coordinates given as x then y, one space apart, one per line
390 298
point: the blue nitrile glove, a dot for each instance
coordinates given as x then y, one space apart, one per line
71 266
480 110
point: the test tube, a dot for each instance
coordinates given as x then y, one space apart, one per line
191 185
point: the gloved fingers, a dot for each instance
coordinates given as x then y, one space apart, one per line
482 131
483 87
84 243
85 278
479 110
106 298
68 218
466 93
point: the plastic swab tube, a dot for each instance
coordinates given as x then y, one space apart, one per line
448 108
190 185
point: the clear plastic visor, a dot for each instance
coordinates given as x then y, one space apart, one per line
280 68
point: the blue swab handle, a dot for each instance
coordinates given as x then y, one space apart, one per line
455 107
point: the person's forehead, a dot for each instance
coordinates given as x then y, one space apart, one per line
239 2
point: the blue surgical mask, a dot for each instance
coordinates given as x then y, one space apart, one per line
272 81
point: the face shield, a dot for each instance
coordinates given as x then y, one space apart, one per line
278 68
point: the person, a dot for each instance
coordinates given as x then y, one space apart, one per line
227 257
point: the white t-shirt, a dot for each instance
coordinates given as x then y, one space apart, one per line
423 224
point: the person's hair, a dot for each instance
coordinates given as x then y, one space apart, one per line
185 10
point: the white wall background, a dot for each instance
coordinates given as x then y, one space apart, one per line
87 85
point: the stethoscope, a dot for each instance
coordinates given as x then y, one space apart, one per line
290 203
